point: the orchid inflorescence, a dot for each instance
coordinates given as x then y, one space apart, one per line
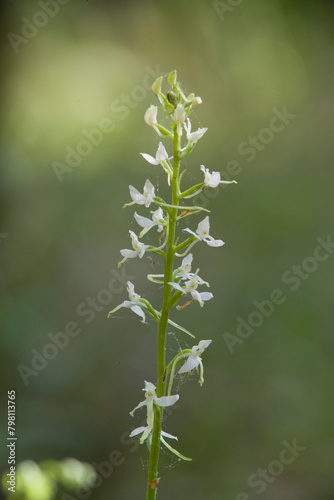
178 281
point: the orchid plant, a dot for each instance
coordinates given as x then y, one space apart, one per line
178 280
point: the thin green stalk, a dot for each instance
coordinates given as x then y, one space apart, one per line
162 329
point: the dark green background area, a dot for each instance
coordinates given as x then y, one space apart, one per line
63 240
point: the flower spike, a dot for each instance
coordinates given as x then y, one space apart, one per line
180 285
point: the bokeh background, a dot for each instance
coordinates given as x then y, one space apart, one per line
61 236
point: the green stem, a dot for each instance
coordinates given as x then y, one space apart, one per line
162 329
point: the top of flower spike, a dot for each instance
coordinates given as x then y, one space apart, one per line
173 101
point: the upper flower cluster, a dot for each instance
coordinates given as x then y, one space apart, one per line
179 106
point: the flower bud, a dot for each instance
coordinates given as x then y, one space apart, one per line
179 114
171 96
194 99
156 85
172 78
151 116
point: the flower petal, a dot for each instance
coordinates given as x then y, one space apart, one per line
138 310
142 403
165 434
150 116
214 243
126 303
203 228
206 296
177 286
143 221
203 344
150 159
215 180
166 400
147 432
187 230
137 431
129 254
191 363
136 195
162 154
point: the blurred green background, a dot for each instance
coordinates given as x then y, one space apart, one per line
61 236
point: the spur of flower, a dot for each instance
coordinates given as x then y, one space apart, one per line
191 287
139 249
135 303
202 233
194 360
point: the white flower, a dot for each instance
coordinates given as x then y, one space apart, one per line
179 117
202 233
161 158
134 303
194 136
185 268
147 224
150 398
194 360
146 431
138 248
191 287
196 100
144 198
213 180
150 116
